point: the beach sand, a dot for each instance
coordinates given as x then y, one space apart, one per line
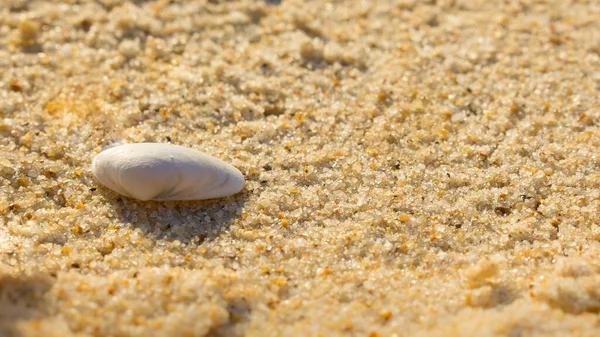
413 168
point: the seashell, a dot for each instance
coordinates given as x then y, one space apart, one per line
154 171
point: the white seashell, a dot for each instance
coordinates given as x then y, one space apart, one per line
154 171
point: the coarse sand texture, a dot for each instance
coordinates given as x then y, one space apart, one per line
412 168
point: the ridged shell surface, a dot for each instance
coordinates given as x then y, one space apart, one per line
155 171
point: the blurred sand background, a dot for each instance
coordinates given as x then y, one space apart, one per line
414 168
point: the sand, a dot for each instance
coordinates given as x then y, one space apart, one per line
413 168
